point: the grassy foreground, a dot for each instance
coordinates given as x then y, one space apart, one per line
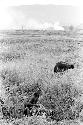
27 63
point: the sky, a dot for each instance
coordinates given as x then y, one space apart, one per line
40 14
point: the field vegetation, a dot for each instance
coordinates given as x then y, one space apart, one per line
31 93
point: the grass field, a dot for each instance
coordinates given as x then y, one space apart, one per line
29 57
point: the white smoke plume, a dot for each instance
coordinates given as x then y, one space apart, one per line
33 24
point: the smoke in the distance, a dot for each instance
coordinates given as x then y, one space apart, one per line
34 24
39 17
13 20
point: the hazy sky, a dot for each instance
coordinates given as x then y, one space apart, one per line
41 14
44 2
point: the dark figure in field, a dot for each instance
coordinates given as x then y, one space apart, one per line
35 98
33 102
61 67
